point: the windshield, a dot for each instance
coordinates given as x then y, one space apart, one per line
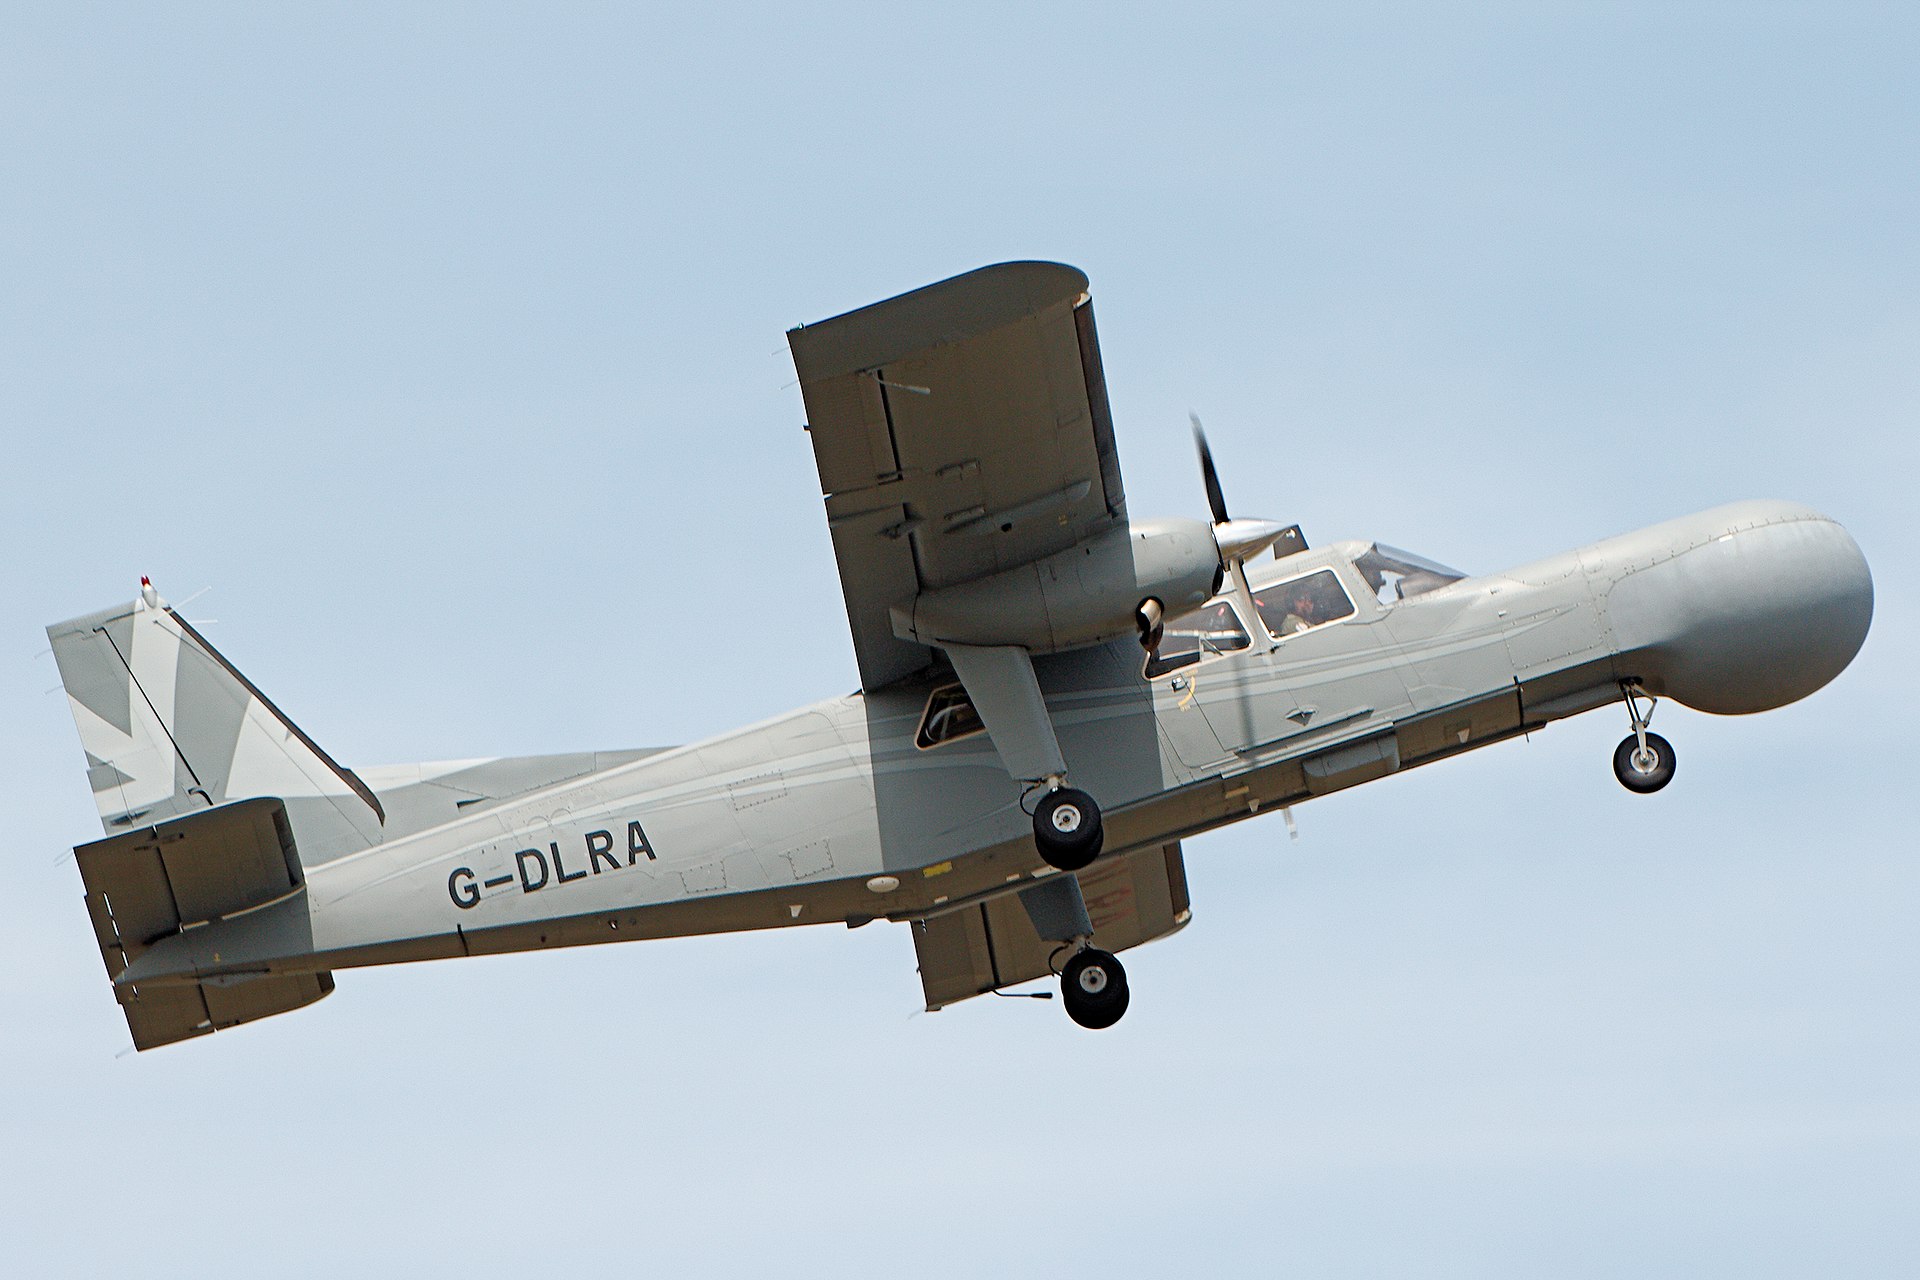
1401 575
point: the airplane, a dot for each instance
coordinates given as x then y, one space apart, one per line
1054 695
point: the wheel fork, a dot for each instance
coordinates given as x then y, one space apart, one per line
1632 691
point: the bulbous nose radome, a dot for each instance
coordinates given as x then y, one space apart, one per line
1759 615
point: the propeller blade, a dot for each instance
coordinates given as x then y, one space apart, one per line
1216 500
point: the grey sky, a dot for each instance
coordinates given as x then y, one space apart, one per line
445 345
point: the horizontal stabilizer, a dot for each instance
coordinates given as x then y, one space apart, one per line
158 1015
1131 899
159 881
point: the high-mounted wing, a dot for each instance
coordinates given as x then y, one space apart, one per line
959 430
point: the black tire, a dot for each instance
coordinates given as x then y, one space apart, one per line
1643 776
1093 986
1067 830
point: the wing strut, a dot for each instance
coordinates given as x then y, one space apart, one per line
1001 684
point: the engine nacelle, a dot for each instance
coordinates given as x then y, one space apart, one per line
1085 595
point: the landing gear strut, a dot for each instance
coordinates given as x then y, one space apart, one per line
1093 986
1066 828
1643 761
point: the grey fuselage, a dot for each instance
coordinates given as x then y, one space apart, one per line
833 814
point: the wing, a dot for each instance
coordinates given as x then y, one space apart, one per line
1131 899
959 430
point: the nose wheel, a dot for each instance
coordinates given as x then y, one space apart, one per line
1066 828
1643 766
1643 761
1093 986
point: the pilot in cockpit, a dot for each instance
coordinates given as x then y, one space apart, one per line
1303 608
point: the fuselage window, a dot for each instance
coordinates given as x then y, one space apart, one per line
1303 603
949 715
1210 629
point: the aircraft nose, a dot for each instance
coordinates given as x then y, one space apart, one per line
1770 606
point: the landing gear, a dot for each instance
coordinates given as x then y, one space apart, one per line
1093 986
1066 828
1643 761
1643 768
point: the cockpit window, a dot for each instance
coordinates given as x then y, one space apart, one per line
1303 603
1209 629
950 714
1397 575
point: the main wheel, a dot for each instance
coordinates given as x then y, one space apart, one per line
1093 986
1643 771
1067 830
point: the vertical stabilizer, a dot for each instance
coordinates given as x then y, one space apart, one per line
171 728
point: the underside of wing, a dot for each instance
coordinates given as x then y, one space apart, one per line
1130 899
959 430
